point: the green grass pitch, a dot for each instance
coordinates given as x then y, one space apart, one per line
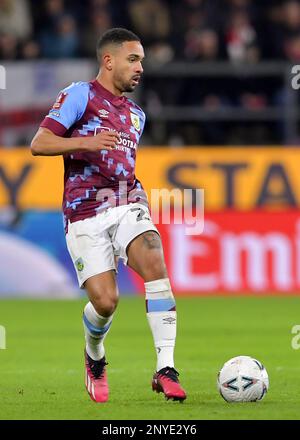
41 370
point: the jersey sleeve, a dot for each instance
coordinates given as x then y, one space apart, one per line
143 121
68 108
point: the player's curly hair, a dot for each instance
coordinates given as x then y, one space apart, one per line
115 36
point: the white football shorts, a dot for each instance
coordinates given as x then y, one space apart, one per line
94 242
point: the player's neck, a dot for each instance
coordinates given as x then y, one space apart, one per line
108 85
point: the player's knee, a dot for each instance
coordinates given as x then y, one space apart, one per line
106 303
155 267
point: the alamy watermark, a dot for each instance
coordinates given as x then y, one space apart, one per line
188 208
295 343
2 338
296 79
2 78
167 206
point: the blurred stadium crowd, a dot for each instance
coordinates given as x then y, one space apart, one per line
202 30
235 33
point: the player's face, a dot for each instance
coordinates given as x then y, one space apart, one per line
128 68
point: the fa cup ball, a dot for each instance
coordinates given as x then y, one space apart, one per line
243 379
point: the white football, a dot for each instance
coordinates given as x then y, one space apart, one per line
243 379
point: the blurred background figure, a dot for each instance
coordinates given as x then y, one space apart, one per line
150 19
201 45
98 21
15 18
58 36
62 40
241 39
15 26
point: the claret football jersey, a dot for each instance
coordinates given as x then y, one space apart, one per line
96 181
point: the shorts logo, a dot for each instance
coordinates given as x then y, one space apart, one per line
135 121
79 265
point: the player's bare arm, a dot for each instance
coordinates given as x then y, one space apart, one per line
46 143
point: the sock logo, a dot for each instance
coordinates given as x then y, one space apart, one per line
158 349
169 320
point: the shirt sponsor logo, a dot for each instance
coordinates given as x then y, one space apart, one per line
123 144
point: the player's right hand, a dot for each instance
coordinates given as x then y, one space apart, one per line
105 140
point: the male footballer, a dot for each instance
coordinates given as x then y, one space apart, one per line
97 130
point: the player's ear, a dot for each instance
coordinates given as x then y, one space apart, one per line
107 61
